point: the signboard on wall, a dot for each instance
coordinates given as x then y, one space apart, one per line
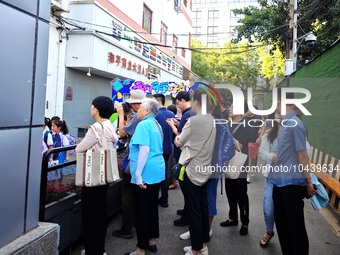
69 94
132 41
121 87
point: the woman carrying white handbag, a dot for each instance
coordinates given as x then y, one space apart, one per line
94 198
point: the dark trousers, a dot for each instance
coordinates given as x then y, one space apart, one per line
185 214
236 190
196 203
165 183
93 202
289 219
127 202
146 213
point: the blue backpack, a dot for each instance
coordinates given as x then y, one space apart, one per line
224 149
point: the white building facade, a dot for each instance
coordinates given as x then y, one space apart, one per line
214 21
99 41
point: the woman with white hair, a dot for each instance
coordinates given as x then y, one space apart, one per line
147 171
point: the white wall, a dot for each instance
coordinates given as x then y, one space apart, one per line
56 67
163 11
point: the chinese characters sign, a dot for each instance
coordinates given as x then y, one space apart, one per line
121 87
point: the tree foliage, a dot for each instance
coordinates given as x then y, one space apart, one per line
240 64
269 23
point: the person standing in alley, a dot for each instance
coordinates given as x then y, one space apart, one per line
290 187
93 199
147 171
183 104
197 141
127 130
162 116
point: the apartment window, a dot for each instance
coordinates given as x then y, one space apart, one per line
234 16
197 30
213 14
147 19
233 31
212 30
189 40
174 43
197 15
183 53
164 33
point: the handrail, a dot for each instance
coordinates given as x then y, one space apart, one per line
44 171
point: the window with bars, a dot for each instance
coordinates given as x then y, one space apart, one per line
212 31
197 30
164 33
175 43
147 19
213 14
197 15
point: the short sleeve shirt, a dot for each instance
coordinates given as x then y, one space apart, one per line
291 140
131 126
148 133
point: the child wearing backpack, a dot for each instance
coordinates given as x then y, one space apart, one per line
47 141
68 140
59 140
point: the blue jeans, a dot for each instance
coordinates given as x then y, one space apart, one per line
268 206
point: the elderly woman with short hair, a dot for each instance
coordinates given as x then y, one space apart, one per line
147 171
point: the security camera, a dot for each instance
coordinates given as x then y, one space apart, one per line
310 39
89 72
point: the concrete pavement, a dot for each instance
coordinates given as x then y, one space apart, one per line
323 229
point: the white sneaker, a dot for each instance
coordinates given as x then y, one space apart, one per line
188 251
187 248
210 233
185 236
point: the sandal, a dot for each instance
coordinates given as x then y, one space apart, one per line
264 241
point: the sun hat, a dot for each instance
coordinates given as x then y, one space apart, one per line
136 96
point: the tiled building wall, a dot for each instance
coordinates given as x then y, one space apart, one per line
24 38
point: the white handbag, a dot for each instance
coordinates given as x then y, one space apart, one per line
96 168
236 163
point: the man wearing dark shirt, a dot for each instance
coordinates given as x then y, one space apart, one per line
183 103
162 116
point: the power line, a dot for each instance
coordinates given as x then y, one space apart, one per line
162 45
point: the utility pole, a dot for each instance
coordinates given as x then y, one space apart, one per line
295 13
290 63
291 27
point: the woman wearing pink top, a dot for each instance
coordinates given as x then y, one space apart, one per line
94 198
